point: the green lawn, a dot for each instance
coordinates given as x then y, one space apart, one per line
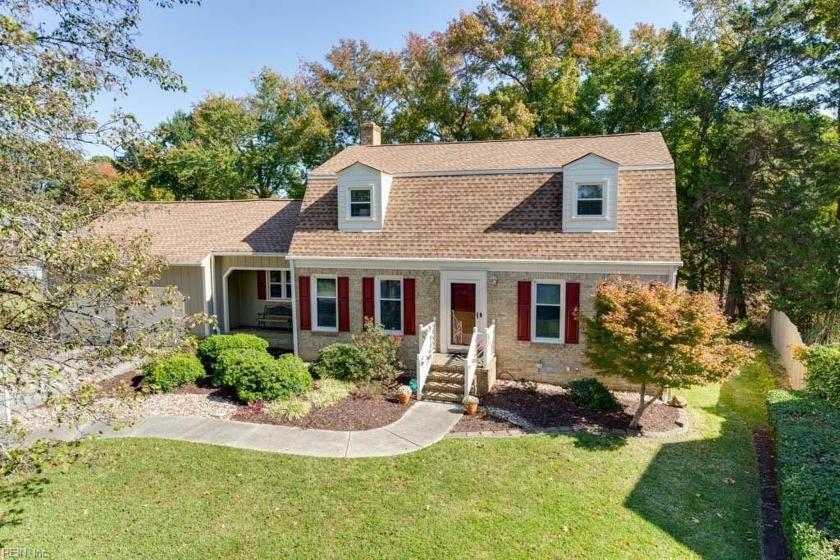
564 496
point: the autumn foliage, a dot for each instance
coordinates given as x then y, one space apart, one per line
655 336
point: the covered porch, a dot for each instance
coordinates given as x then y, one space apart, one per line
259 301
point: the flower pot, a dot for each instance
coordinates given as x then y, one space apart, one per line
471 409
403 398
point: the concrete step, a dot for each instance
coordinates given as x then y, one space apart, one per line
446 377
441 397
444 387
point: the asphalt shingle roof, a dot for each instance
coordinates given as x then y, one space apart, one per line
186 232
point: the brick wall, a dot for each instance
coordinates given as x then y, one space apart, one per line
427 294
536 361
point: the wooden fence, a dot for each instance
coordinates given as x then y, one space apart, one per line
785 337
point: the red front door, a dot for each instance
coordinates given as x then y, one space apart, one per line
462 315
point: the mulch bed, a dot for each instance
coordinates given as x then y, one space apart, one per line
774 546
355 413
112 386
483 422
554 409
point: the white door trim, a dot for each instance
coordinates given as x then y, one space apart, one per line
447 278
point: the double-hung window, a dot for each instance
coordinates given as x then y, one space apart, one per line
279 284
326 304
590 199
361 203
546 311
389 304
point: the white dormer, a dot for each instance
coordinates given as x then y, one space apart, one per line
362 198
590 194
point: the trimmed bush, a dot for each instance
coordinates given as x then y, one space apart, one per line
255 376
381 352
823 376
210 348
808 451
345 362
592 394
166 373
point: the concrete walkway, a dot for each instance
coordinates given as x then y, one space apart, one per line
424 424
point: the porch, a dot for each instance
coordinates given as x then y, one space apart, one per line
258 301
449 377
277 338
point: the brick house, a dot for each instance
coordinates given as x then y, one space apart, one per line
480 254
505 236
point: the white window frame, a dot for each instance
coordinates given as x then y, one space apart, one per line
603 199
314 303
287 281
562 338
378 298
350 216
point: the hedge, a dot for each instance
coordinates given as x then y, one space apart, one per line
210 348
592 394
254 375
164 374
823 376
808 441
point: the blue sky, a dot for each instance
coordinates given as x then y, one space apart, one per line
220 45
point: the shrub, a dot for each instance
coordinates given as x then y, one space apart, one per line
255 376
592 394
823 377
381 352
340 361
210 348
294 409
808 451
164 374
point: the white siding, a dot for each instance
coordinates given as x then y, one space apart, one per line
359 175
593 169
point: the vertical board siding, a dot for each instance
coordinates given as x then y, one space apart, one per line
786 337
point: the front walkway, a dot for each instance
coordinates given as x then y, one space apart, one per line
425 423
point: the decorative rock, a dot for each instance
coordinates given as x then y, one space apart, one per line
677 401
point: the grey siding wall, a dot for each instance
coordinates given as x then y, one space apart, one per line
190 283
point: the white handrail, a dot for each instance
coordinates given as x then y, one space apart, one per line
471 363
489 345
425 355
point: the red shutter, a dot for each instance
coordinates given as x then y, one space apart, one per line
524 315
305 310
572 311
368 299
409 316
343 304
261 284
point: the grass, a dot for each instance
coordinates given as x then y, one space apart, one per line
565 496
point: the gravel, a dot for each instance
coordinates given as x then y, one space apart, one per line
204 406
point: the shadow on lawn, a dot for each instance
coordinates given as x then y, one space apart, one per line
703 492
12 494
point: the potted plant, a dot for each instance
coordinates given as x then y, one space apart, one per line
470 404
403 394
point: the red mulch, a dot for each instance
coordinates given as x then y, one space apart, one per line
483 422
355 413
556 410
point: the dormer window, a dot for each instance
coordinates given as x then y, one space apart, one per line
361 201
590 199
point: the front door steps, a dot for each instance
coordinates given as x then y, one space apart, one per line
446 379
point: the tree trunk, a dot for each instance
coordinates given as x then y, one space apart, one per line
643 405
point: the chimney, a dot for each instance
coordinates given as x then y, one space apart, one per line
371 134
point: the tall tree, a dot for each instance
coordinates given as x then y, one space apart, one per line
357 84
56 57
